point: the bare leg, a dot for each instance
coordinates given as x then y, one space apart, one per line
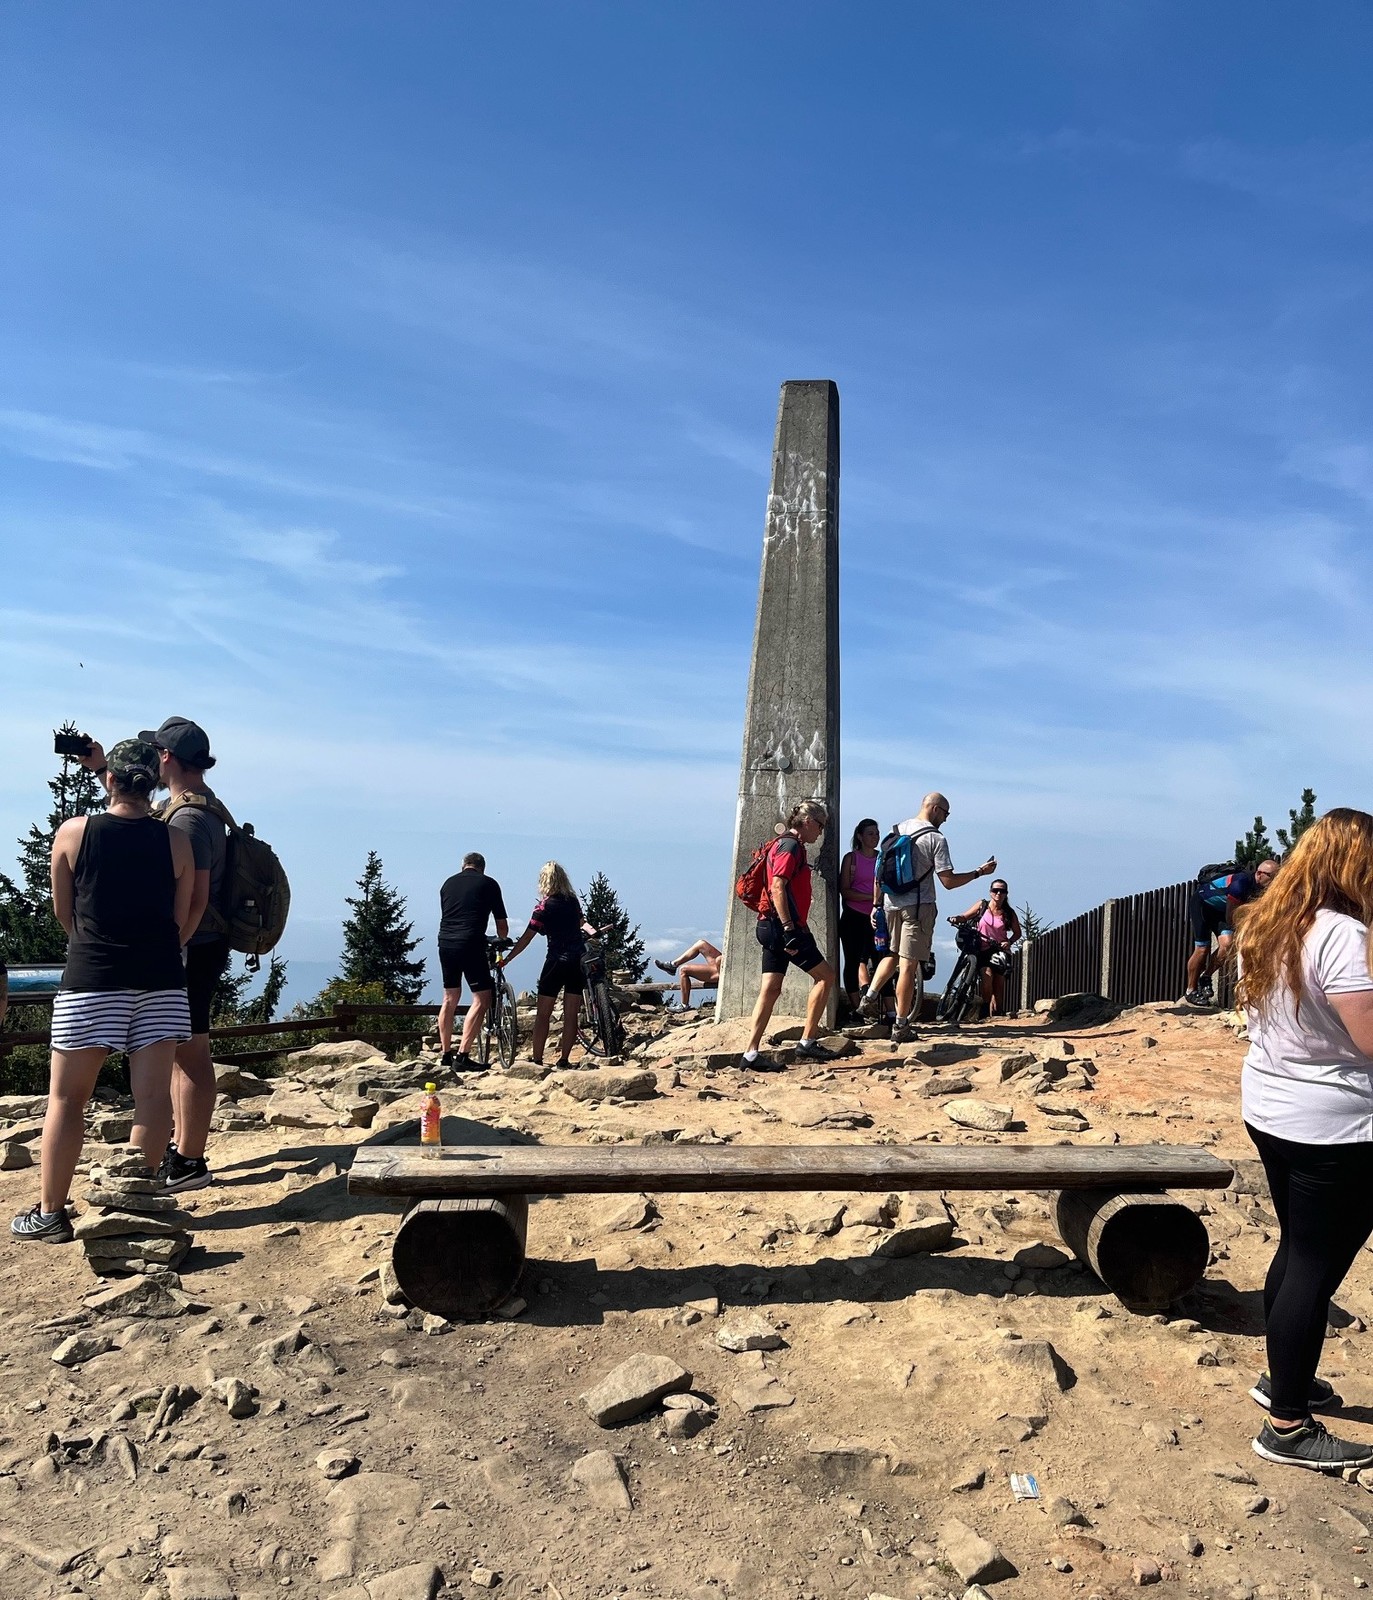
150 1077
909 986
1197 962
684 987
886 970
998 1006
71 1078
705 974
471 1028
768 991
543 1015
572 1005
821 982
193 1095
448 1012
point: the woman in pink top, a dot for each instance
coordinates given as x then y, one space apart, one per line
999 929
856 872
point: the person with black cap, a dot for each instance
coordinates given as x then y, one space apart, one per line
183 749
121 888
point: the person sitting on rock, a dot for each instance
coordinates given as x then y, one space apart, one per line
122 884
558 916
687 969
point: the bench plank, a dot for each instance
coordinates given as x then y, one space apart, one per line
608 1169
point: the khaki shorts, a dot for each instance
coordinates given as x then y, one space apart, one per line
910 933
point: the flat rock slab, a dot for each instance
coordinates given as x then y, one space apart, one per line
748 1331
421 1580
602 1478
604 1085
807 1108
292 1108
106 1223
338 1053
973 1558
936 1086
1038 1358
119 1200
137 1297
633 1387
199 1583
763 1393
980 1114
925 1225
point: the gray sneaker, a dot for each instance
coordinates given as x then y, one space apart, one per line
903 1031
42 1227
1310 1446
870 1008
815 1051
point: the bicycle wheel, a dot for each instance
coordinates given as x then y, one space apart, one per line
508 1024
589 1024
612 1029
953 1001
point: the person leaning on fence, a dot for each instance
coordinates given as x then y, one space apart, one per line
910 909
1306 982
1215 900
784 933
122 884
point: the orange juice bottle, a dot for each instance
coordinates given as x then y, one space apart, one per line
431 1133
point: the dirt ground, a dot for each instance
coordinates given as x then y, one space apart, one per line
904 1393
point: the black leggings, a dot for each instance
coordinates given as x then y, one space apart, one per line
855 936
1323 1197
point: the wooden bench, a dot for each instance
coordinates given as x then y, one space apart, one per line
460 1248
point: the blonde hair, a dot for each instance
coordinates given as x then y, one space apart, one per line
553 880
1330 868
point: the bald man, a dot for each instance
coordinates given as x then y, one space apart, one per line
911 912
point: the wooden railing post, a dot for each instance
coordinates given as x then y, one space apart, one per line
1104 987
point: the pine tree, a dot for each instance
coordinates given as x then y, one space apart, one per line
1032 925
624 949
1299 821
1254 847
28 929
228 1005
377 939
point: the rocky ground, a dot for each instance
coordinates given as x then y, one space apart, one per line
807 1410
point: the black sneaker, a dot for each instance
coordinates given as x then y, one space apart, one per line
1322 1393
761 1063
1310 1446
45 1227
462 1062
446 1059
179 1173
815 1051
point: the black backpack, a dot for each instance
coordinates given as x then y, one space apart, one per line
255 896
1216 869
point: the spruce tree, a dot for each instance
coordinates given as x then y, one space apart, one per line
28 929
624 949
1032 925
377 941
1254 847
1299 821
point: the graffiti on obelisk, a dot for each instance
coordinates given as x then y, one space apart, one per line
791 724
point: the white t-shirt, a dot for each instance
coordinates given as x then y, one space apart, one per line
1304 1078
930 855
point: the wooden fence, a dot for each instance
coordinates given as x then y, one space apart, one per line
1131 950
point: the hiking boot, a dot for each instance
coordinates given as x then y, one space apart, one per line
46 1227
179 1173
1322 1393
1310 1446
870 1008
902 1031
815 1051
667 967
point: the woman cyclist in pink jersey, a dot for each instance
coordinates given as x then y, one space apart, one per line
999 929
856 872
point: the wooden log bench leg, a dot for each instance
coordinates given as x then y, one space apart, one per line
1146 1247
463 1256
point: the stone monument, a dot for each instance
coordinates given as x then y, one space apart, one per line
791 725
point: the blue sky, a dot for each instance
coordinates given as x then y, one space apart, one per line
391 388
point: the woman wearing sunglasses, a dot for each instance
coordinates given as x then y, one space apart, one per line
999 929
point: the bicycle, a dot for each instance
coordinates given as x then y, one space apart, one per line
963 992
501 1025
598 1027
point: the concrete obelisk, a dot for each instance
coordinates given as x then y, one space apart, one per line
791 726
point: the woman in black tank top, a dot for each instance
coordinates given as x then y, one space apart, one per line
121 887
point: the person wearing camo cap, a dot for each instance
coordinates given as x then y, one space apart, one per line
121 888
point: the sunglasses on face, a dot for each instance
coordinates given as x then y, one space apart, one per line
998 889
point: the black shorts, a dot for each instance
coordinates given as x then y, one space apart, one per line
562 973
1207 920
206 964
466 963
775 958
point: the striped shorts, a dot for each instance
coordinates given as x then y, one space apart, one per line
119 1019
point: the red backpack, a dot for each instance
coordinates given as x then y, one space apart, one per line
752 883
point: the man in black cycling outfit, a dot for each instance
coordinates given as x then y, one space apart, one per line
468 900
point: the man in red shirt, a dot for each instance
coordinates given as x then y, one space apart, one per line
786 938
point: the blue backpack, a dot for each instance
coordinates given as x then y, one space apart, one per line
897 872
